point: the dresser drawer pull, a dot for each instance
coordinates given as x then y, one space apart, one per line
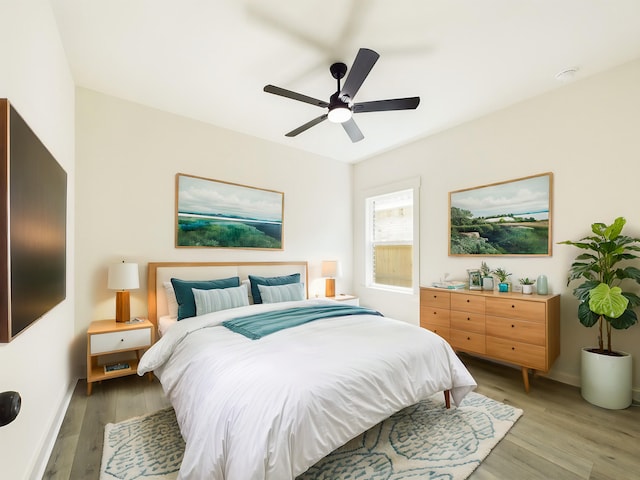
513 326
468 338
468 300
513 348
469 318
513 306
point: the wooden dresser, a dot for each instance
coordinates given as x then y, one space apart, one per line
511 327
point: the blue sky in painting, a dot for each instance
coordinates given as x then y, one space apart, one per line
198 195
527 196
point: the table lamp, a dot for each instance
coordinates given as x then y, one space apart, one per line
123 277
330 270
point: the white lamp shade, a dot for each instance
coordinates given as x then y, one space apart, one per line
123 276
330 268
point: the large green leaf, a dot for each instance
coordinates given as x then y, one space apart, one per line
586 316
607 301
626 320
581 292
613 231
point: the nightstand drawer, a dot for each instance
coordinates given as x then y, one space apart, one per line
125 340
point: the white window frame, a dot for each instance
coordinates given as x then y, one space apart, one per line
409 184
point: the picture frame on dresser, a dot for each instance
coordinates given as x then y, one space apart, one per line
513 218
217 214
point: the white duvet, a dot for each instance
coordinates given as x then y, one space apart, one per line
271 408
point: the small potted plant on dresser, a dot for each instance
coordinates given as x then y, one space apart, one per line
606 374
502 276
527 285
487 279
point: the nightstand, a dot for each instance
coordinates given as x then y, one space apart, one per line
347 299
108 337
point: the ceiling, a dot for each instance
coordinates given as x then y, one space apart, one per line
210 59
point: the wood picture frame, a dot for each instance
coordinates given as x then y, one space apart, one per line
216 214
504 218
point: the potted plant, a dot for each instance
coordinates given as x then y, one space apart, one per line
502 276
487 279
527 285
606 374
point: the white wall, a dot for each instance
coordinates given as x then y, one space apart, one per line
34 76
128 156
586 133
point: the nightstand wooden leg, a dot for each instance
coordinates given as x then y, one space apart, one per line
447 399
525 378
89 385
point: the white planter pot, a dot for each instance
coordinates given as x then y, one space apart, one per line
527 289
607 381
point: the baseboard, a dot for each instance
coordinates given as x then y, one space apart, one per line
50 440
574 380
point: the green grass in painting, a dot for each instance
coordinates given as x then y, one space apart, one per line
210 233
517 236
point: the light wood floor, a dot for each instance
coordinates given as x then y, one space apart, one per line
559 437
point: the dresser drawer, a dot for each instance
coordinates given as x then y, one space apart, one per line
511 308
434 316
468 303
468 322
435 298
125 340
516 330
467 341
444 332
532 356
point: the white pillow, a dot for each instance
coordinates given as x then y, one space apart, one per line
172 303
281 293
217 299
247 284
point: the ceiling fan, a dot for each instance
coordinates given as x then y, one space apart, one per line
341 106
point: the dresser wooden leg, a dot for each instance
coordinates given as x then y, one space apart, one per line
525 378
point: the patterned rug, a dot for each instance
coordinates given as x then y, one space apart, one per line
424 441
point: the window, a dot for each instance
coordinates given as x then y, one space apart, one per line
392 238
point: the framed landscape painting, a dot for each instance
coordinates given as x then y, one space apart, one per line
212 213
506 218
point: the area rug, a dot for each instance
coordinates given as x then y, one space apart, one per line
424 441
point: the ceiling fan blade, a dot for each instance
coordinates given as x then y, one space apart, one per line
362 65
352 130
306 126
384 105
295 96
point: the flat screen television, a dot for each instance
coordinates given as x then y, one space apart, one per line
33 219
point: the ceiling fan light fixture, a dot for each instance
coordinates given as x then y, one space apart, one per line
339 114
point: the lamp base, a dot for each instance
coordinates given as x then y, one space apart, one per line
330 287
122 306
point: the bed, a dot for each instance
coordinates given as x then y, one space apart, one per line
271 406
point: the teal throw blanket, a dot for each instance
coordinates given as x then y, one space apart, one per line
259 325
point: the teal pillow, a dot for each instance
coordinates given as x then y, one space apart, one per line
184 294
270 281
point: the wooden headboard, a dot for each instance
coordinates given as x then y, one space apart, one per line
160 272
